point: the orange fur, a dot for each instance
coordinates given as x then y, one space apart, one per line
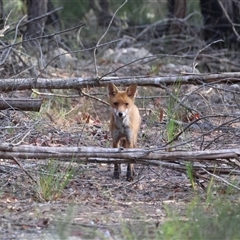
125 122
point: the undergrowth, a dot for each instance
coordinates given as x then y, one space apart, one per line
52 180
207 215
199 221
217 220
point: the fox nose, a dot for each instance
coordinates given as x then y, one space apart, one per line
120 114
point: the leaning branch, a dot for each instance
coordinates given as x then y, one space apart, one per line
78 83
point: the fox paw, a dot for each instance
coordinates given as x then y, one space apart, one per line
130 178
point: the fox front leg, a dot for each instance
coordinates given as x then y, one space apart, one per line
130 172
117 170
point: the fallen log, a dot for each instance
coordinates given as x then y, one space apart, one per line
78 83
23 104
119 155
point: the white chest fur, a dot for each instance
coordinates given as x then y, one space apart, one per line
122 128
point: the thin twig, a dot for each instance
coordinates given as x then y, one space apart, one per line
202 49
54 94
13 42
42 37
37 18
24 170
71 96
18 143
95 98
129 63
229 19
222 179
214 128
104 34
76 51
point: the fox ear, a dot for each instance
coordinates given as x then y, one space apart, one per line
112 89
132 90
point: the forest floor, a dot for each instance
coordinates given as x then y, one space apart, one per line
89 203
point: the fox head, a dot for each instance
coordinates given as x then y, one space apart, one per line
121 101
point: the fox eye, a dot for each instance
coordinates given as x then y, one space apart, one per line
115 103
126 104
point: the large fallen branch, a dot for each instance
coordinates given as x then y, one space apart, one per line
23 104
78 83
228 157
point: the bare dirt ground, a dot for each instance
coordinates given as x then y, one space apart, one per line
93 205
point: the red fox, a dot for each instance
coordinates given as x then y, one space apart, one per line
125 122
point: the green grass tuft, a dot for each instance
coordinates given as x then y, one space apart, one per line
53 180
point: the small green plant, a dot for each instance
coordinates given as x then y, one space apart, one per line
138 230
63 226
53 180
171 129
190 174
217 220
210 190
127 233
172 113
154 69
66 226
214 218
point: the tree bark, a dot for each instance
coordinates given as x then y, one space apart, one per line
176 10
1 14
35 29
53 18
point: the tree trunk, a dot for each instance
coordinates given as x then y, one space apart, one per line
53 19
1 14
35 29
219 20
176 10
102 11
